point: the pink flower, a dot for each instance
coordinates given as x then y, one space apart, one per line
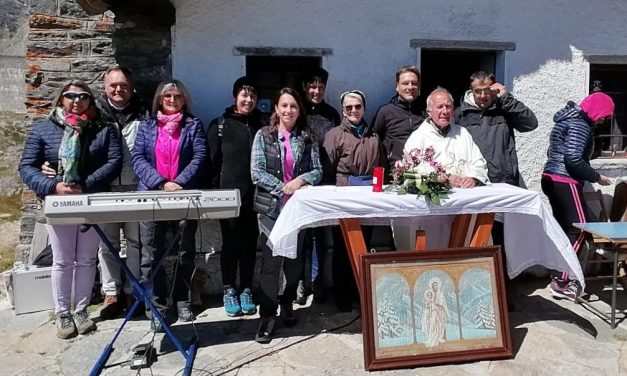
414 154
398 165
429 152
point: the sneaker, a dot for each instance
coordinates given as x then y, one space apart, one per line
265 330
155 325
184 310
569 290
246 302
65 326
302 293
287 315
111 307
231 303
83 322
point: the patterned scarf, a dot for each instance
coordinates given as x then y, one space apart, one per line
70 147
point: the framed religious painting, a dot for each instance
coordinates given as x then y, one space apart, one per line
433 307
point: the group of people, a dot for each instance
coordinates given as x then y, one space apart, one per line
114 143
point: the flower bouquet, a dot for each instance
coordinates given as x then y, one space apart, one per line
419 173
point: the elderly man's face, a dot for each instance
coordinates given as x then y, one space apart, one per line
440 109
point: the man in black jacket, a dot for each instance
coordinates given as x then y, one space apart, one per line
396 120
491 114
229 144
321 118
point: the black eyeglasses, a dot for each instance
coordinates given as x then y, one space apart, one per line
72 95
350 107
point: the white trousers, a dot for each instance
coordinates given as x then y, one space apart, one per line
74 256
110 270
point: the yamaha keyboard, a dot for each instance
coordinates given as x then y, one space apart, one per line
141 206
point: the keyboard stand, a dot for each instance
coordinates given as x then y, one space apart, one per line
142 294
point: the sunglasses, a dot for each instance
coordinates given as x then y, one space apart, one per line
483 91
73 96
351 107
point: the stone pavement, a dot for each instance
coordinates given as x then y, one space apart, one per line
549 338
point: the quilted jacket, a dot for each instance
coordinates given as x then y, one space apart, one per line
100 160
192 154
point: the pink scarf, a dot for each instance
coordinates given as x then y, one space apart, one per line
169 122
288 163
167 147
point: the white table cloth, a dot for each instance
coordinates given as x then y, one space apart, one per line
532 236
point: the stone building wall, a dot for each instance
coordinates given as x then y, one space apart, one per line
63 42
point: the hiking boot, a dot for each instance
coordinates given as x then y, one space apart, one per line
83 322
184 311
246 302
302 293
65 326
265 330
111 307
231 303
129 300
569 290
287 315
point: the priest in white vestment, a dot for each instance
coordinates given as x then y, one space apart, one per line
453 145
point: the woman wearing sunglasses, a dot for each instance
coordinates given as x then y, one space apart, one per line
86 157
353 150
168 155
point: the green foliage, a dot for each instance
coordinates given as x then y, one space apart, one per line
427 186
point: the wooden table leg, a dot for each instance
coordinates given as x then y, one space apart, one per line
421 240
483 230
355 244
480 233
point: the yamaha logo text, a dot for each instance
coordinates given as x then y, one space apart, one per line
68 203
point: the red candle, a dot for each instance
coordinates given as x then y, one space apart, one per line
377 179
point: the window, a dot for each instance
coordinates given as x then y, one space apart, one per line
272 73
611 137
452 69
449 63
278 67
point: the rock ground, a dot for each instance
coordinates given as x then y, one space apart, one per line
549 338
